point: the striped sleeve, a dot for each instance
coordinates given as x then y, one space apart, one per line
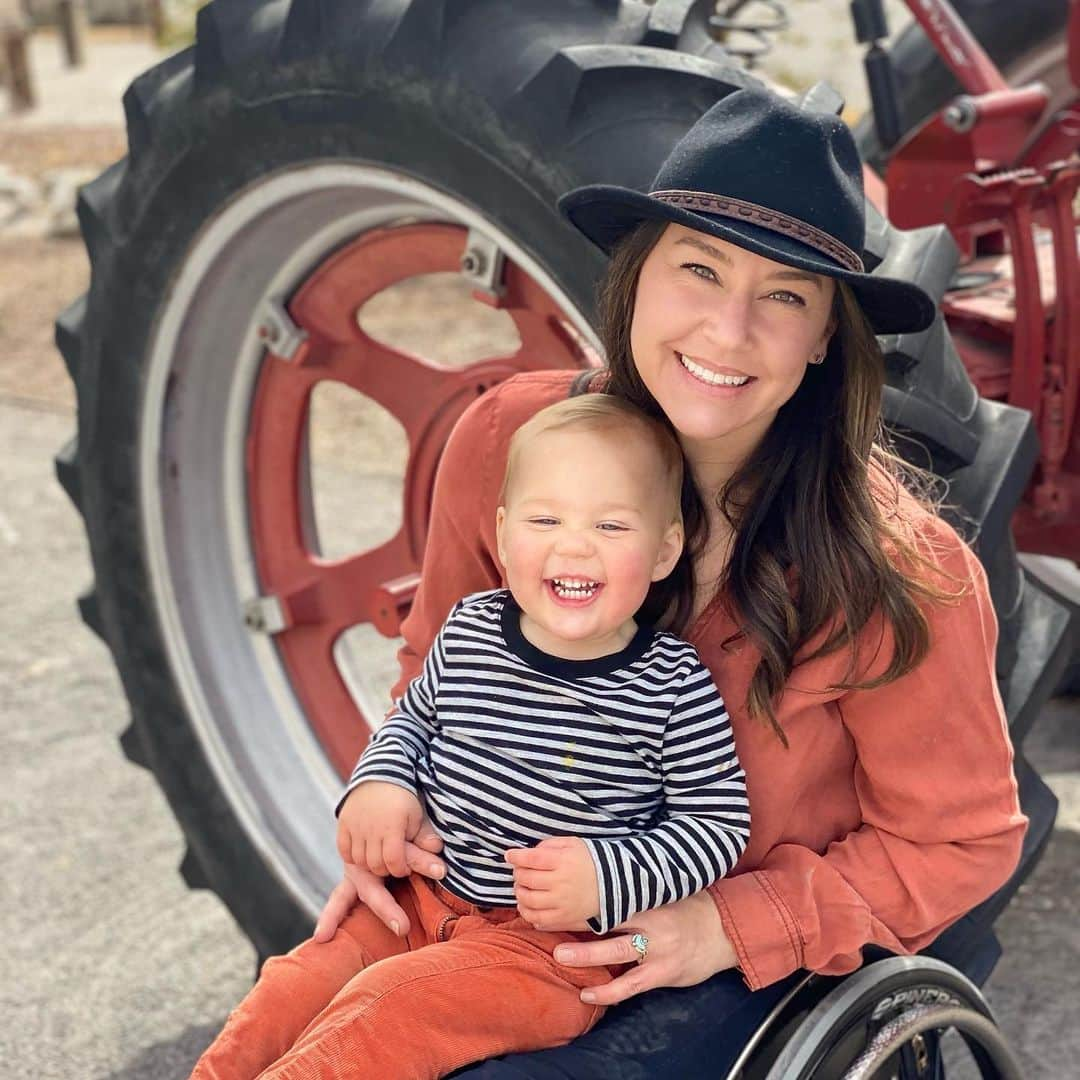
706 817
405 735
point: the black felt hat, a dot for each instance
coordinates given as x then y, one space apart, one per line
778 180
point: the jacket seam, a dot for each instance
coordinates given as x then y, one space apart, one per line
796 941
732 928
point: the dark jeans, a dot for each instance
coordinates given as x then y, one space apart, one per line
684 1034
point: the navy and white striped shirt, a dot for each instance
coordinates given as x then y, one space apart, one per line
506 746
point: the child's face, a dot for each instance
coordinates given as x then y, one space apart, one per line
586 528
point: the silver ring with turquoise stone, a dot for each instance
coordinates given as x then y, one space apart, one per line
641 946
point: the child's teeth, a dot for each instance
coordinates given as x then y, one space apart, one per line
705 375
575 589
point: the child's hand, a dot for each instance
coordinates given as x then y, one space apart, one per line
555 883
374 824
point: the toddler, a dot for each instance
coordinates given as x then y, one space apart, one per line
579 767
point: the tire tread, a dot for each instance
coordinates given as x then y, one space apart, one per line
67 470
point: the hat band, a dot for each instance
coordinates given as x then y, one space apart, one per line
740 210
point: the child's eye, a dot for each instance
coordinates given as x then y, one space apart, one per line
542 521
788 297
611 526
706 273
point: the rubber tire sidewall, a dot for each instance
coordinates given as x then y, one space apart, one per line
246 146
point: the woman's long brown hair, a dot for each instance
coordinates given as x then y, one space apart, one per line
815 553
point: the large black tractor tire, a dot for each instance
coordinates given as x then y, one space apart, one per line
1028 45
254 155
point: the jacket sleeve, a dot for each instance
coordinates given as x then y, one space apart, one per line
457 557
941 824
705 822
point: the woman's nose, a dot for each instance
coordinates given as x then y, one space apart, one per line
726 325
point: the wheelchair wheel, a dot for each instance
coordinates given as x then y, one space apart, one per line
885 1021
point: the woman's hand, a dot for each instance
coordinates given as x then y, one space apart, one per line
359 884
687 945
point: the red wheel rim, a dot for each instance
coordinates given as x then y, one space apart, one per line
322 598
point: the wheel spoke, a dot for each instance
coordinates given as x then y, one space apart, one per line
317 337
336 595
408 387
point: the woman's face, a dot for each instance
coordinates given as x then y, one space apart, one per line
721 337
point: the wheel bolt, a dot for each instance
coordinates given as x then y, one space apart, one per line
473 262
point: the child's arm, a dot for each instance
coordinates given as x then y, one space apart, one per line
705 829
402 741
381 807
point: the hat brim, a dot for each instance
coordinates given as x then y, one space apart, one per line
606 213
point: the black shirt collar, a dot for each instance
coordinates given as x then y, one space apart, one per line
536 658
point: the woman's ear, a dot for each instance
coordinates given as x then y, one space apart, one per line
826 337
671 547
500 522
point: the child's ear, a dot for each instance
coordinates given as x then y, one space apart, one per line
671 547
500 522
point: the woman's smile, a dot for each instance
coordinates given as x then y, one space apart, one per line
725 382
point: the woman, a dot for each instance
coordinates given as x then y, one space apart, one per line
850 629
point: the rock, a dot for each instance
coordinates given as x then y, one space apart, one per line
20 192
20 198
61 193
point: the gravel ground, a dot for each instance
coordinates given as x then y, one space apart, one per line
111 967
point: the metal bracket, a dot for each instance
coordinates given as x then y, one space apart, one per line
961 115
482 263
264 615
278 332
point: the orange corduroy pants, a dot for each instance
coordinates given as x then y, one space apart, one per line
467 983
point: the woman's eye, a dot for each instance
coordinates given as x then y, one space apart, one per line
789 297
707 273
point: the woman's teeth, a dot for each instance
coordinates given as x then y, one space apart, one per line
574 590
711 377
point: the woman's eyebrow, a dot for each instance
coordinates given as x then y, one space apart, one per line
724 257
715 252
797 275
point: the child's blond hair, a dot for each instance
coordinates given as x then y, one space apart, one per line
600 412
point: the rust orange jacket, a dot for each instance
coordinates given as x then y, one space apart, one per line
892 812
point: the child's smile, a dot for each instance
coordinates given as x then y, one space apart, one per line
587 527
576 592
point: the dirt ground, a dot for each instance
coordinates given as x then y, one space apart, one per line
111 967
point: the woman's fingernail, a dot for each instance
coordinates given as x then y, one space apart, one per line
435 870
396 927
564 956
588 997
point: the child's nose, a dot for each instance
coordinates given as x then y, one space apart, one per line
574 542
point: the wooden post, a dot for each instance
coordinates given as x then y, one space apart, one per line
14 43
155 19
71 18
